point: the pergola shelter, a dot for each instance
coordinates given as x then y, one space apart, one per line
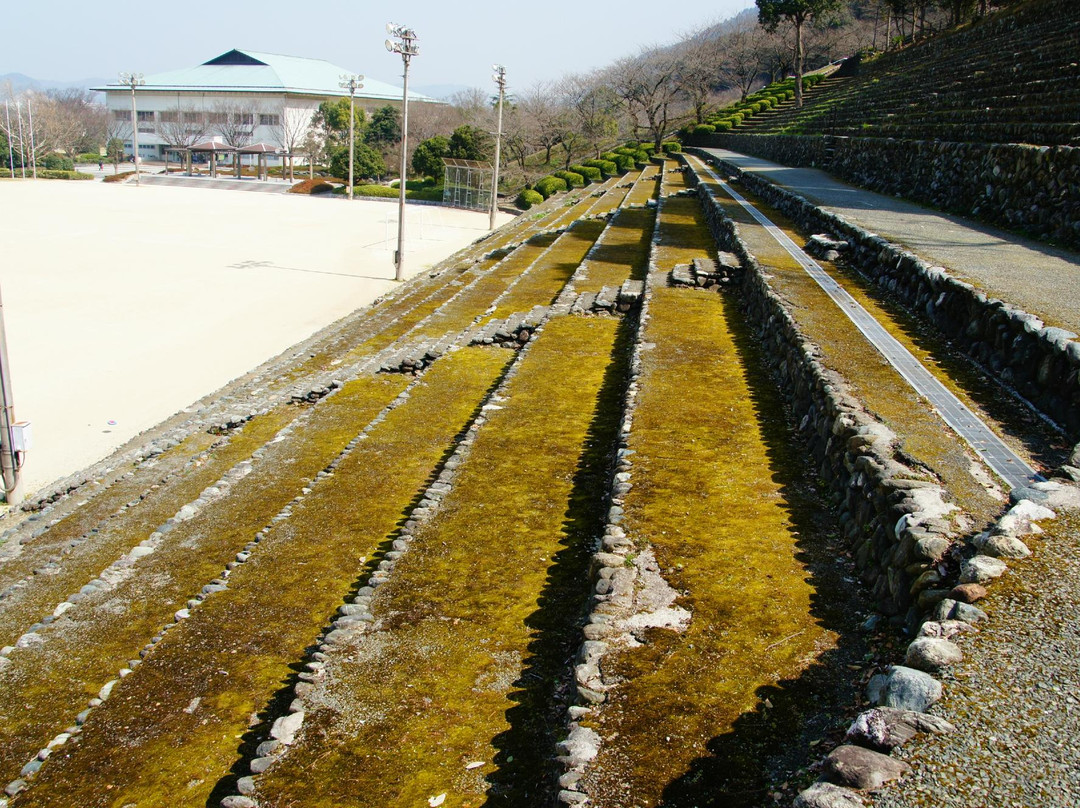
215 147
467 184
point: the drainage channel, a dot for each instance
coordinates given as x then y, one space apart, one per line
993 451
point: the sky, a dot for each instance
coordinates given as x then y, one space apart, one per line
61 41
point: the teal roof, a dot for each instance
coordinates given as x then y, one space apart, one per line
255 72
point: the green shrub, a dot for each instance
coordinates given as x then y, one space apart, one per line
624 162
590 173
571 179
381 191
610 156
88 157
671 146
550 185
608 168
724 126
647 147
736 118
705 129
527 198
57 162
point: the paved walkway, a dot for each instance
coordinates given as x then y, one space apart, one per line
1039 279
994 452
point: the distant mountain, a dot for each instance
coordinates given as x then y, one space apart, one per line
20 83
441 91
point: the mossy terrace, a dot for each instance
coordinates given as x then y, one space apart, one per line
471 653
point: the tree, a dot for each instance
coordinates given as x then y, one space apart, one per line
427 158
648 84
698 71
114 151
470 143
595 109
384 128
797 12
745 55
293 126
367 163
331 119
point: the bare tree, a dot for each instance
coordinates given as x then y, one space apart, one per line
648 84
183 127
293 126
595 107
746 50
544 118
698 69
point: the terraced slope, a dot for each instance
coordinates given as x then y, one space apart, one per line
713 501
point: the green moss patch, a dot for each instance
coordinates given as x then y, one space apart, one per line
543 283
624 253
47 684
461 670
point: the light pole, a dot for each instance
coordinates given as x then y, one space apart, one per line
407 47
500 79
134 80
351 83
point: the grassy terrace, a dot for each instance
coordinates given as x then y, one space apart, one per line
645 188
46 684
237 650
624 253
28 605
923 436
479 621
716 497
543 283
460 312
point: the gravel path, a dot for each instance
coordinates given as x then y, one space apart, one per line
1039 279
1015 698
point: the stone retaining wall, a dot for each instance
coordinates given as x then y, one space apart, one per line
1041 363
891 514
1027 188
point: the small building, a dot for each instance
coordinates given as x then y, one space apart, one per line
240 97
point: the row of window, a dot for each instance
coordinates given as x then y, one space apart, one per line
212 118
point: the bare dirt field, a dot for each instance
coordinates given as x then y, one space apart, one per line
123 305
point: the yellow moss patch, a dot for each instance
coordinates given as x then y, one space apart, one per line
708 499
624 253
241 645
47 684
28 605
451 677
544 281
923 435
683 234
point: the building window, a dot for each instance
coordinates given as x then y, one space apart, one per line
218 117
146 116
192 117
244 119
169 116
269 120
121 114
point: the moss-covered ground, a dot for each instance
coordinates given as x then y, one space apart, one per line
82 563
543 283
239 649
923 436
624 253
712 716
46 684
480 619
645 188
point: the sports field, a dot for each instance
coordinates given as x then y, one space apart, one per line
125 304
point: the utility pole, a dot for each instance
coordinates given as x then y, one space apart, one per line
407 47
351 83
9 461
500 79
134 80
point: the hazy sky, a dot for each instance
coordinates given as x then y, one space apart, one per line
65 41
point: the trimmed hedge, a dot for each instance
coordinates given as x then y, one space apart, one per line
671 147
624 162
608 168
527 198
312 186
550 185
47 174
571 179
590 173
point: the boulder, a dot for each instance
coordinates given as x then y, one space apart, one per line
904 688
885 728
932 654
862 769
828 795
